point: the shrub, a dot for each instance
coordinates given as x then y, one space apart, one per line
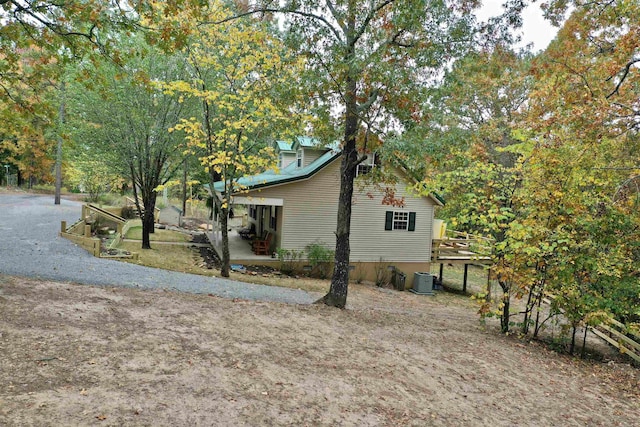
129 212
320 258
289 259
382 273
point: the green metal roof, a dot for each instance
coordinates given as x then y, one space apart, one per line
292 173
287 174
305 142
284 146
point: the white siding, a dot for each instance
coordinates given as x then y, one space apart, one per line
309 215
309 209
286 158
371 242
310 155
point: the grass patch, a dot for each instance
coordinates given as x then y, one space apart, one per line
135 233
167 257
453 276
305 283
186 259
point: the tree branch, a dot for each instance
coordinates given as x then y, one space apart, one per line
625 72
372 98
313 16
369 17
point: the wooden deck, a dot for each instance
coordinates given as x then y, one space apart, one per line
461 248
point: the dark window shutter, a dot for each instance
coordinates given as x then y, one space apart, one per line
412 221
388 221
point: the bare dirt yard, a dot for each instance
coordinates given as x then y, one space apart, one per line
81 355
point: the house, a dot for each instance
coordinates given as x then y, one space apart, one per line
286 155
298 206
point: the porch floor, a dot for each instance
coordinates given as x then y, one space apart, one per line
239 248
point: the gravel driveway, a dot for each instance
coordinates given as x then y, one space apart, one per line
30 247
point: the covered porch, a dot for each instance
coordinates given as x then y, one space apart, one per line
239 248
262 216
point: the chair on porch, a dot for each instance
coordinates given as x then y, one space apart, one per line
248 233
262 246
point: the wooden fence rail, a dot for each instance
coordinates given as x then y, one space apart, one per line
615 334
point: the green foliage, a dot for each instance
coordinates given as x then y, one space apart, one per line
320 258
92 177
289 260
541 188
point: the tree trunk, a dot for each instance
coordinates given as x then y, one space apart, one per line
536 330
58 167
584 342
226 256
528 311
184 188
148 219
148 224
337 296
572 347
506 302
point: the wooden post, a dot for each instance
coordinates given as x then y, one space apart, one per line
87 231
63 226
441 271
489 285
464 280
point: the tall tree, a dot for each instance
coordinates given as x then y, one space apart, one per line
59 32
559 227
479 165
238 74
365 60
583 126
128 120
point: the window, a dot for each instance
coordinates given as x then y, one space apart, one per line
363 169
281 160
299 157
400 220
367 166
253 212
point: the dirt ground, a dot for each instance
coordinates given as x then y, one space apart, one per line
81 355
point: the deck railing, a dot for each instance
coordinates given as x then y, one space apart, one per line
457 247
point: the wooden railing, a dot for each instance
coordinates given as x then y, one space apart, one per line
618 336
81 231
459 247
614 333
132 202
